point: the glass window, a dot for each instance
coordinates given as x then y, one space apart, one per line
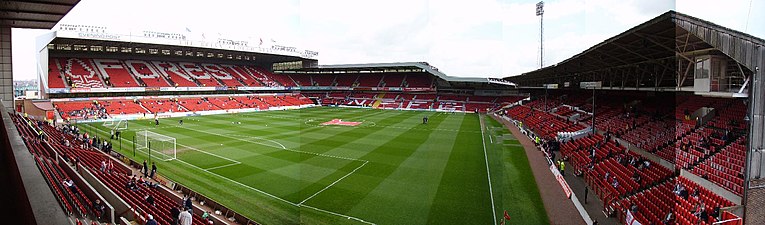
702 68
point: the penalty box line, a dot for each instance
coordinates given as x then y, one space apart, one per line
301 204
266 193
233 162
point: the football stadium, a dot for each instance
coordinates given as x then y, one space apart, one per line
659 124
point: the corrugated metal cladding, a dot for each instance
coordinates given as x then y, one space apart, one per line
743 48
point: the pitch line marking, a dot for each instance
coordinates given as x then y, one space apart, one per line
333 183
287 149
488 173
237 182
210 133
338 214
179 144
227 165
273 196
212 154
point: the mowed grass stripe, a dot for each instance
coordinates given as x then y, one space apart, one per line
463 195
286 171
384 160
285 131
413 184
275 165
407 162
339 141
519 193
257 206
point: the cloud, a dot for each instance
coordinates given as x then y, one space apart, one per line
478 38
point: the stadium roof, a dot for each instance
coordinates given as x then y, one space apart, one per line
43 14
418 66
210 52
653 49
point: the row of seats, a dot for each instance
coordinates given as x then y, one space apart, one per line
415 101
653 205
88 109
726 168
700 146
115 180
544 124
73 200
98 73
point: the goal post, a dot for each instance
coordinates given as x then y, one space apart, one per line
155 144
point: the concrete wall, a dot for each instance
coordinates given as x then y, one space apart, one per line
33 111
87 189
755 204
6 68
45 207
121 208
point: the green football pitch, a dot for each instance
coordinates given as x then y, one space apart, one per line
285 167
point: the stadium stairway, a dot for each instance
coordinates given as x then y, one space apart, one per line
378 100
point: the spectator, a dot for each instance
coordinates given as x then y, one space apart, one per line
634 208
669 219
99 209
187 203
151 221
185 217
70 184
145 169
175 212
716 212
153 169
684 194
703 216
150 200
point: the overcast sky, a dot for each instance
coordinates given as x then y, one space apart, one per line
476 38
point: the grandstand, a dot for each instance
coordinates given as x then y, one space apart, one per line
272 137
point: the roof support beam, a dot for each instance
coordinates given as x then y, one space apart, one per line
634 53
663 46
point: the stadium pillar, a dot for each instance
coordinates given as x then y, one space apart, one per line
754 182
593 109
6 68
546 110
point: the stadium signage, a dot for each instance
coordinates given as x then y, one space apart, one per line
165 35
551 86
182 89
184 39
589 85
500 81
259 88
419 89
99 36
230 42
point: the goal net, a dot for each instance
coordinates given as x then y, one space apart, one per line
156 145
